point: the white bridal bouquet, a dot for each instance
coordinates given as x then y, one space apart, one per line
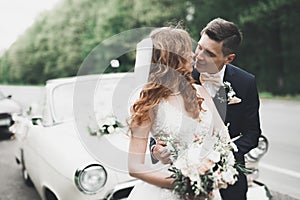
196 176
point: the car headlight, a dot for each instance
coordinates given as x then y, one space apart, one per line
90 179
255 154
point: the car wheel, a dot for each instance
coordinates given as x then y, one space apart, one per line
50 195
25 175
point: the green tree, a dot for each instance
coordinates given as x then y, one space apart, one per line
59 41
272 38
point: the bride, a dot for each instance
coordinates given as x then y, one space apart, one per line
169 105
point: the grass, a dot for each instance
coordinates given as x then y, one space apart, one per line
268 95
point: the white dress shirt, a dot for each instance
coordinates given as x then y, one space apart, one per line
212 82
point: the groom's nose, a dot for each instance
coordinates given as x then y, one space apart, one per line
199 54
193 55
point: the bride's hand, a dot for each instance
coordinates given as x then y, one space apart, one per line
161 153
205 165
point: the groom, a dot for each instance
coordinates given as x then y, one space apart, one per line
215 51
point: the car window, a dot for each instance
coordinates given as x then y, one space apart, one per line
62 102
2 95
63 98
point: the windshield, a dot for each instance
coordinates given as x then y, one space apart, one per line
95 96
88 94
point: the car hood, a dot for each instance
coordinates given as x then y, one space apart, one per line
63 149
9 106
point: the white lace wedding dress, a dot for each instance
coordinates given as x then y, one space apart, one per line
181 128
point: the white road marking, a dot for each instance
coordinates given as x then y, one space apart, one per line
280 170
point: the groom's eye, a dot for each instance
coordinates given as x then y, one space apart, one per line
210 54
206 52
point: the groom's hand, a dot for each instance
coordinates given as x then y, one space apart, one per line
161 153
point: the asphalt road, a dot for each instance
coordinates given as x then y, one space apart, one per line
280 167
11 182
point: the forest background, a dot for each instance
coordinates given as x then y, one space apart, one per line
61 38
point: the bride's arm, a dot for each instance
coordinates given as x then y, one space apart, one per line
136 159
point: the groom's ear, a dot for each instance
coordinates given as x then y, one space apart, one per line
229 58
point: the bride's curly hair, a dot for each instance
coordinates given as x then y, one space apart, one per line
169 71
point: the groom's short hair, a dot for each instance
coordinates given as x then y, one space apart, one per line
224 31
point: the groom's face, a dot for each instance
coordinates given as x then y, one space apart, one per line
209 55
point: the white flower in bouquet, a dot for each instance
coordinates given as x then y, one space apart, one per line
194 154
229 176
181 163
234 147
197 175
230 159
214 156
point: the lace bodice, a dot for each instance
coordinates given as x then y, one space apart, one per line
171 123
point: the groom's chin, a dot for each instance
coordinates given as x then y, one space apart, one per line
200 69
204 69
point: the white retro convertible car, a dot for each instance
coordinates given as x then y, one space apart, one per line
51 153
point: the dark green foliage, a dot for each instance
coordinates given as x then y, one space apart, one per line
60 39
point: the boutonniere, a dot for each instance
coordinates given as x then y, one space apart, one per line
107 125
231 95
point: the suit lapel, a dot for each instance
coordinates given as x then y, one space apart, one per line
228 74
220 99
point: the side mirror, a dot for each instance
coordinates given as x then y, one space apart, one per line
37 120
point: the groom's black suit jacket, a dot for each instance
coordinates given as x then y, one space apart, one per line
243 119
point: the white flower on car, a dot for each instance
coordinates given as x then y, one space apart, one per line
110 129
107 125
109 121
